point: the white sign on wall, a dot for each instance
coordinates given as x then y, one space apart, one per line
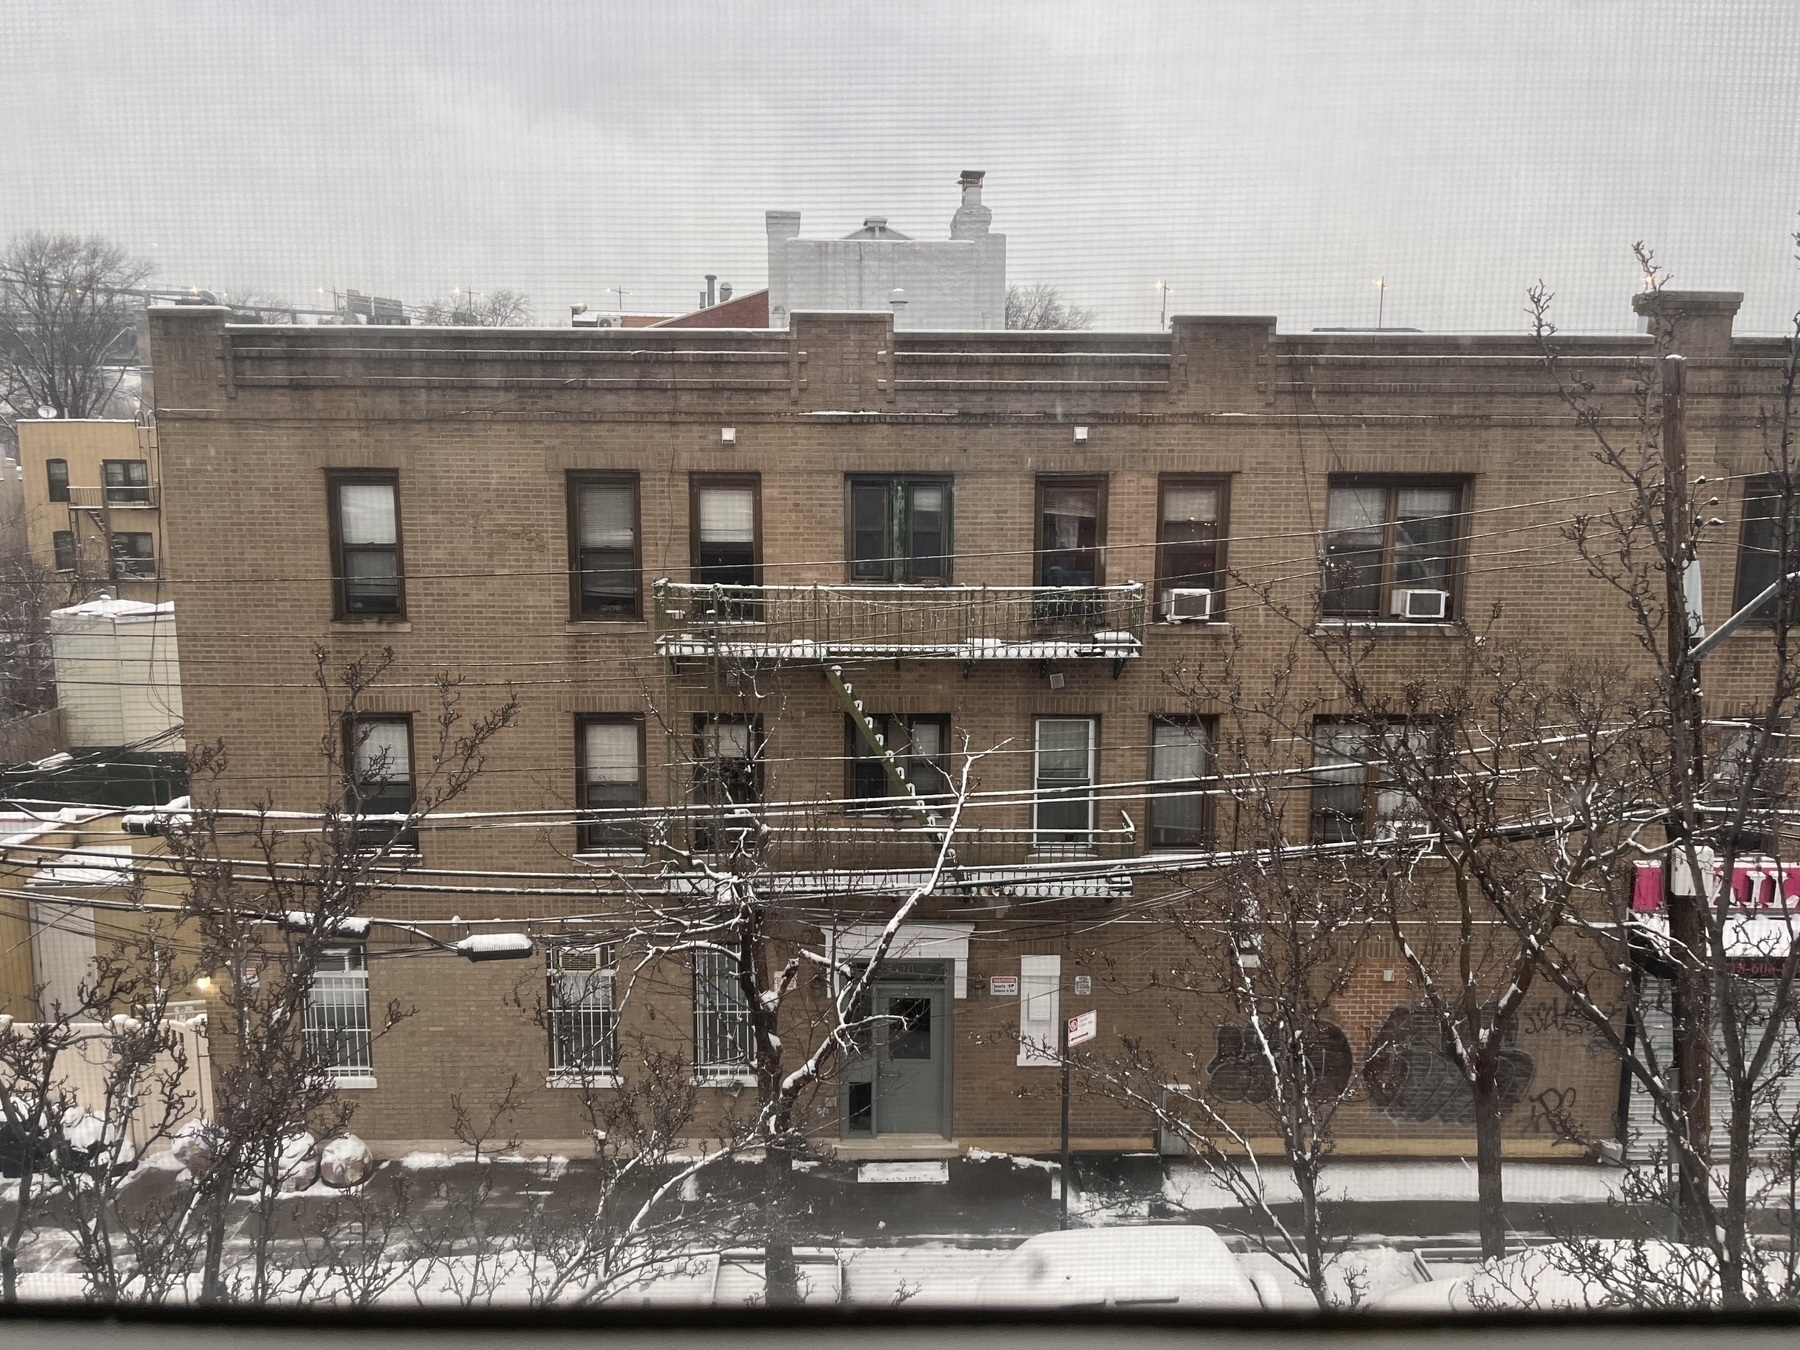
1083 1028
1003 986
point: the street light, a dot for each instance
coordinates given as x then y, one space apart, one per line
476 947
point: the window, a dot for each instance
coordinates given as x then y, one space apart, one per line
365 535
1357 776
900 529
603 546
127 482
584 1032
612 782
721 1019
1187 536
726 526
1040 998
62 543
1063 804
133 554
922 745
58 472
727 774
337 1013
1180 752
1769 544
380 756
1386 538
1071 531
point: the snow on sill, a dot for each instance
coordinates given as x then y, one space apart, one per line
565 1079
355 1081
723 1079
1382 626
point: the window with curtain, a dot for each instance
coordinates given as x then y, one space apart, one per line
366 533
1187 537
1063 804
604 546
612 783
1383 538
382 769
1180 754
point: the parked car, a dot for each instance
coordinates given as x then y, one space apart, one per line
1128 1267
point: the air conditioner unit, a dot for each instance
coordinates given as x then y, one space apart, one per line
1421 604
1187 606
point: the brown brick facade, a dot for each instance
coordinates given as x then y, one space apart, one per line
484 429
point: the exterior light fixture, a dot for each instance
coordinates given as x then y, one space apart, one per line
1081 435
728 435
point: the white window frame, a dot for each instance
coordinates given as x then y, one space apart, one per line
345 1042
599 997
718 1024
1039 844
1040 1012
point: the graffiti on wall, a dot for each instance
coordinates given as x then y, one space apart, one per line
1239 1072
1407 1073
1411 1077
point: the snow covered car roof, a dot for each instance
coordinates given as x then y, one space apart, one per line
1120 1267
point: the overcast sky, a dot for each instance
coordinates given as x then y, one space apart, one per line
1258 156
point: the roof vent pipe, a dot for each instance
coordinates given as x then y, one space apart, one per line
711 278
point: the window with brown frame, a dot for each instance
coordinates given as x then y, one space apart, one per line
1360 776
57 472
610 751
1768 544
605 551
127 482
379 755
1190 523
367 573
725 540
1071 531
922 745
1181 756
899 529
1386 538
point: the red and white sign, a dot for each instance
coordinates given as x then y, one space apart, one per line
1084 1028
1003 986
1757 882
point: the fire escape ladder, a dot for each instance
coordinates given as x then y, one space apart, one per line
891 766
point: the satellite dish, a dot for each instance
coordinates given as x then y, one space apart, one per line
46 412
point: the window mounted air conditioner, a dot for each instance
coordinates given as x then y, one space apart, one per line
1187 606
1421 604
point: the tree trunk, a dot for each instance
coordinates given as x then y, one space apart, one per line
781 1276
1734 1222
1307 1182
1490 1191
9 1253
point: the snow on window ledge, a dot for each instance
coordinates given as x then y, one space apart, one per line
575 1078
357 1081
1383 626
723 1078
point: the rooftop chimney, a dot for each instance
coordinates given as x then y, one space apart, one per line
972 218
711 278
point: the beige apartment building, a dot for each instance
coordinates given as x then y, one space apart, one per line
759 595
93 505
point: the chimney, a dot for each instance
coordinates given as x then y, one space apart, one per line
724 291
781 226
972 218
711 289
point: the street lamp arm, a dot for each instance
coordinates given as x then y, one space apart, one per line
476 947
1699 650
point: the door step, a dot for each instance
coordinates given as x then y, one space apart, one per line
898 1147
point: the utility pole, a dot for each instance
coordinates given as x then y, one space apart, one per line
1062 1189
1690 1002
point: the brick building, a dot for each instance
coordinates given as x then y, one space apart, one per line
713 566
92 504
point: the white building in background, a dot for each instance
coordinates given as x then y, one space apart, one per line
954 283
118 673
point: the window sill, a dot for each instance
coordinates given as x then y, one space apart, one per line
723 1080
600 857
632 625
1384 626
356 1082
398 623
564 1079
1200 625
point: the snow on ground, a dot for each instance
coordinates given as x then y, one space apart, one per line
1377 1271
1188 1185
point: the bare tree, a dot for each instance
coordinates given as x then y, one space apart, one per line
1714 789
265 924
83 1090
1042 306
64 311
501 308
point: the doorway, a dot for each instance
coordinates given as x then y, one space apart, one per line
901 1083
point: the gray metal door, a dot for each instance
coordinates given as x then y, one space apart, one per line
911 1056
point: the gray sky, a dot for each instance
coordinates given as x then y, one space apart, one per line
1270 157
